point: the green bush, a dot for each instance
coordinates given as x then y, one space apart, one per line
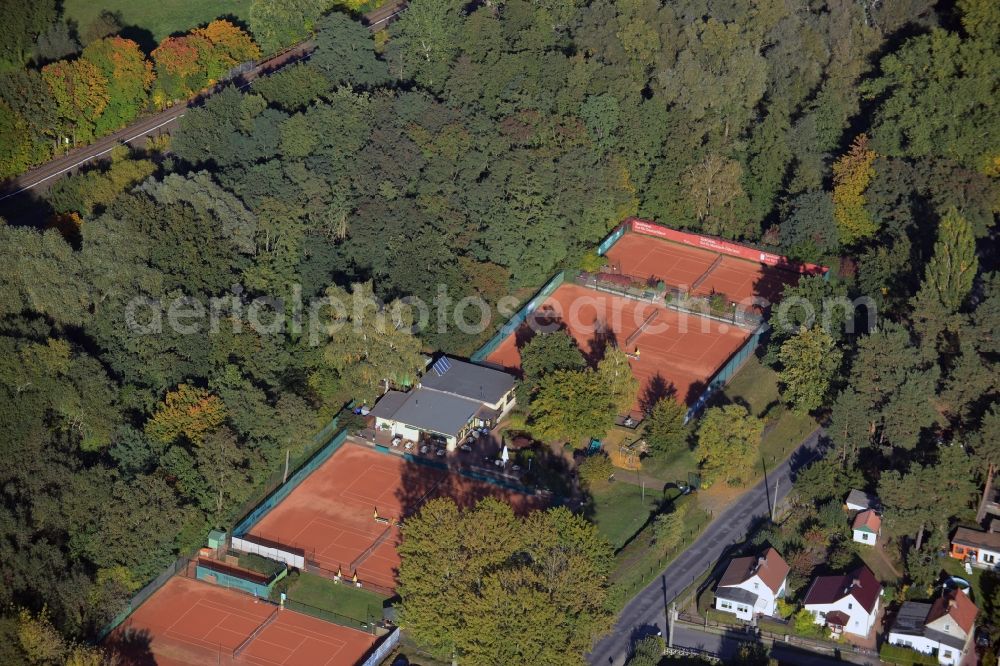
904 656
596 469
804 624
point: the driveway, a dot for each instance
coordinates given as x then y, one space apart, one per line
646 613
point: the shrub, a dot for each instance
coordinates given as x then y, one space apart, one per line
596 469
804 624
904 656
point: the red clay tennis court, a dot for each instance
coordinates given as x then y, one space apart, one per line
676 349
331 514
190 622
701 271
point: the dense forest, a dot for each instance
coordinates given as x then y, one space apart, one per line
62 85
476 149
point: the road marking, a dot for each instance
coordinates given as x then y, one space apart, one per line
91 157
390 16
146 131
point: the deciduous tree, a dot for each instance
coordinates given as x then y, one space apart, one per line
728 443
851 175
486 587
809 361
665 430
81 94
129 76
189 412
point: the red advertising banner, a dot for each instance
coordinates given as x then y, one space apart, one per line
722 247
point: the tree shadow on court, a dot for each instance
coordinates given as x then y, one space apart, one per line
549 480
597 346
657 389
131 646
544 320
695 391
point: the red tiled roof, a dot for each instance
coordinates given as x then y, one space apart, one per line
837 618
860 583
772 570
869 520
956 604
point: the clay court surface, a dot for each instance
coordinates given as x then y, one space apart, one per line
678 352
682 266
189 622
331 515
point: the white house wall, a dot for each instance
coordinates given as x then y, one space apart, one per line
859 621
859 536
927 646
734 608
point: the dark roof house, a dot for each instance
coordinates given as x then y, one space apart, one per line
858 500
977 539
450 396
949 620
860 584
468 380
770 566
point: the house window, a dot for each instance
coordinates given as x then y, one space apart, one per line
726 605
989 558
864 536
946 653
741 609
755 586
850 606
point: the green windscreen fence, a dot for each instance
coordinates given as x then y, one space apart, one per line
522 315
283 490
178 566
722 377
612 238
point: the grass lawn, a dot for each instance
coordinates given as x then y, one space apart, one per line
671 468
340 598
637 564
619 509
755 386
955 567
877 563
161 18
784 435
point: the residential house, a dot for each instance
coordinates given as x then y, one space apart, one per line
752 585
858 500
846 602
452 398
980 549
945 627
866 527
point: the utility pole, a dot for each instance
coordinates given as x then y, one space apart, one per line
285 477
671 621
774 502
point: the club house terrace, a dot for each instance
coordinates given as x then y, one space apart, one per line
451 400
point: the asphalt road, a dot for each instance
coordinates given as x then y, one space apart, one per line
163 121
646 613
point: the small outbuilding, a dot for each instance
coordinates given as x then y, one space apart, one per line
866 527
